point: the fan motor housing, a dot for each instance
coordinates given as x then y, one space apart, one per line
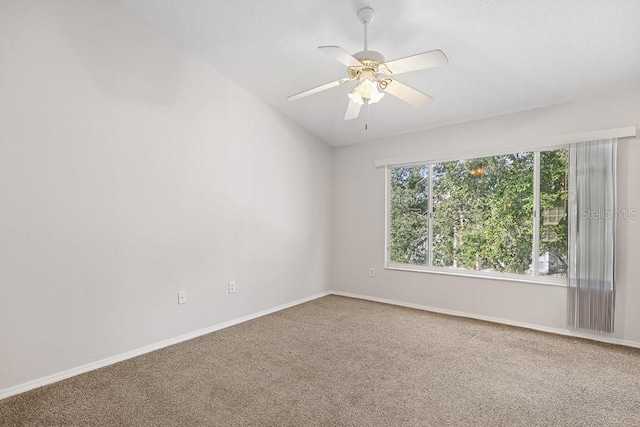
370 61
370 55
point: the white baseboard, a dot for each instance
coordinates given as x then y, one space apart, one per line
21 388
566 332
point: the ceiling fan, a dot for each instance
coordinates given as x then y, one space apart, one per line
374 74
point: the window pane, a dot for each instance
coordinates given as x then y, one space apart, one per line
482 213
409 215
553 213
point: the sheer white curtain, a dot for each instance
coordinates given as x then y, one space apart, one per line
592 219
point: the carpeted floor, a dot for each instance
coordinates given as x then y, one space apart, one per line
339 361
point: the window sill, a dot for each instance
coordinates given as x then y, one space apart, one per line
537 280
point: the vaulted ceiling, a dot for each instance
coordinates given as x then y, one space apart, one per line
504 55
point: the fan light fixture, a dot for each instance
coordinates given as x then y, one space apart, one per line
366 91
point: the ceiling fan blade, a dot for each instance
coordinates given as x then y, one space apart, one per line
341 55
353 110
407 93
317 89
421 61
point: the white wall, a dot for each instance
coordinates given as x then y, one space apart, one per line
130 170
358 217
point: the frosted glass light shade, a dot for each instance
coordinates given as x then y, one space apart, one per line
366 90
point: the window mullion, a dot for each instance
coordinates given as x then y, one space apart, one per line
535 254
387 215
430 216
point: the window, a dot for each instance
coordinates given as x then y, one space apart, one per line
499 215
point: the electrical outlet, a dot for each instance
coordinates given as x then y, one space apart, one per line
232 287
372 272
182 297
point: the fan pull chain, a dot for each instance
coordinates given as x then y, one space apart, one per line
366 122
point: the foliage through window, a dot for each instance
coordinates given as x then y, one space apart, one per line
478 214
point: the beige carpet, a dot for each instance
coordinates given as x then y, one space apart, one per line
338 361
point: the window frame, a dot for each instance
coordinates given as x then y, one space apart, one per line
535 217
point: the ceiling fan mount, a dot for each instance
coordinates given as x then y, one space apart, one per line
369 68
366 15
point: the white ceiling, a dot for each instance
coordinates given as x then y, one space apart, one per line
504 55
